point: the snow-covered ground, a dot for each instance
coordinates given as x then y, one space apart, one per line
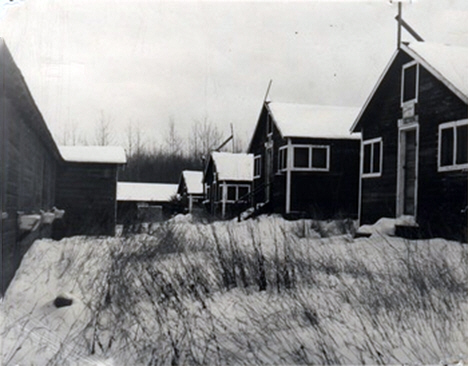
254 292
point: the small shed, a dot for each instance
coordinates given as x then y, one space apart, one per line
144 202
28 160
190 189
306 162
228 183
86 188
414 126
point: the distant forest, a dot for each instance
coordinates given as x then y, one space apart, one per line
162 162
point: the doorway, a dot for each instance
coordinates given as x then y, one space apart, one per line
408 170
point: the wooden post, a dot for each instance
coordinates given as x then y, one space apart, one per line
289 162
223 200
399 26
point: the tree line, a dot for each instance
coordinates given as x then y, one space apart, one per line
156 161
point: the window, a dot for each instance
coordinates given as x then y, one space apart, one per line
283 158
231 193
237 192
243 191
372 159
453 137
301 157
258 166
409 83
311 157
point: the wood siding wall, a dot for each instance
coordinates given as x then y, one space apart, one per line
331 194
87 192
277 181
442 196
313 194
28 165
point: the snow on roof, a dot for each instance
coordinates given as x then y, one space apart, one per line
229 166
94 154
451 62
302 120
145 192
194 181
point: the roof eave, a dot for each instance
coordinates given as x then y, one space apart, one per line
434 72
371 95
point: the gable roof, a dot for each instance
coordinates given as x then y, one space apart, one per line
313 121
145 192
13 86
193 181
447 63
230 166
93 154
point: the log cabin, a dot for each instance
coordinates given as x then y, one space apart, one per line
190 189
228 183
86 189
414 127
306 162
143 202
28 162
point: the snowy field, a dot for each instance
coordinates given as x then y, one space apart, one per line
263 291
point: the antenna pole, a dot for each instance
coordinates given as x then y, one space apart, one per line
232 134
268 91
399 26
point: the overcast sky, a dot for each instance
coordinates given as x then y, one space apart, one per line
150 61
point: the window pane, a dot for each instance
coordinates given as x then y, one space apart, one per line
301 157
409 87
367 158
376 154
220 193
319 157
462 139
446 150
282 159
258 166
231 194
243 191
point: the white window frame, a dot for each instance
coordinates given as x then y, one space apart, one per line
257 159
416 95
282 148
237 186
372 142
310 168
454 166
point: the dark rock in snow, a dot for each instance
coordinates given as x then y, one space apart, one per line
62 301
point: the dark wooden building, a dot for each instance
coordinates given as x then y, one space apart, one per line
144 202
190 189
86 189
306 162
228 183
28 160
414 128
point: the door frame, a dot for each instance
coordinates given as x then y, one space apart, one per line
400 197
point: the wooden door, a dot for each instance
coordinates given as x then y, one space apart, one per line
408 172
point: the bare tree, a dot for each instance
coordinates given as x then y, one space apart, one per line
103 131
173 142
204 137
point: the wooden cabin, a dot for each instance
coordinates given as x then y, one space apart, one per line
414 128
28 160
144 202
190 189
86 189
228 182
306 162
